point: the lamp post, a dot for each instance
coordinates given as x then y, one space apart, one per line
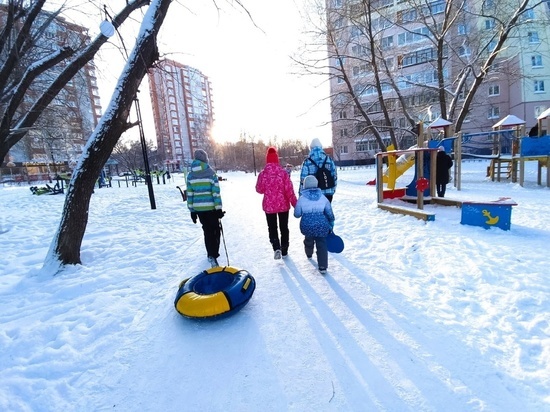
145 157
253 157
108 30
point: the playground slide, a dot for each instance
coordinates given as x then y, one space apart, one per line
396 167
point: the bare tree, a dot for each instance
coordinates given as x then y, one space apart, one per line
65 247
392 65
25 66
129 155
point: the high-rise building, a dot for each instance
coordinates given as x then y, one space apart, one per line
398 55
181 97
62 130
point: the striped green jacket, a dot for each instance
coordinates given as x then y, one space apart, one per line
203 188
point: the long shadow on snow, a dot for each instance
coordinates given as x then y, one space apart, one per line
430 354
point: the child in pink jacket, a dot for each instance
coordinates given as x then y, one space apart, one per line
274 183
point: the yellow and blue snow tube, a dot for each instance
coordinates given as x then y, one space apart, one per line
214 292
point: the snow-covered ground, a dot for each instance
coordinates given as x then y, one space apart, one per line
412 316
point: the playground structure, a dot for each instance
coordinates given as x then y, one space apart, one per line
424 161
507 147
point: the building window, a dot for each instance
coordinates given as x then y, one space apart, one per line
436 7
362 146
533 37
528 14
386 42
536 60
489 24
343 149
344 133
494 90
359 50
464 51
539 86
539 110
462 29
361 70
494 112
343 115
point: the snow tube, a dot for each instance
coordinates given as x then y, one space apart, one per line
214 292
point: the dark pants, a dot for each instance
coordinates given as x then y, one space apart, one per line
441 187
322 252
274 233
212 232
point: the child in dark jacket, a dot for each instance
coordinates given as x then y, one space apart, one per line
317 220
442 166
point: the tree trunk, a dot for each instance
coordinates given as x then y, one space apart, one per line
65 248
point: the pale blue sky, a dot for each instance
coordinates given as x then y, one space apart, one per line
249 67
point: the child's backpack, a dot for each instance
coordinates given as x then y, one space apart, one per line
323 175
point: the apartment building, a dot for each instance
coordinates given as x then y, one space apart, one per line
181 97
60 134
398 55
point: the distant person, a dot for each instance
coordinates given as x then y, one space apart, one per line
320 165
205 203
274 183
289 168
534 132
317 221
442 166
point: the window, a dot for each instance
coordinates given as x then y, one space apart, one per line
361 70
386 42
359 50
343 115
355 31
533 37
492 45
412 36
362 146
343 149
409 15
539 110
344 133
464 51
462 29
494 113
436 7
536 60
494 90
528 14
539 86
489 24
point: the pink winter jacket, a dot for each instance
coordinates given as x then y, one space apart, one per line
274 183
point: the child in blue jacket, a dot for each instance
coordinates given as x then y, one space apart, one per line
317 220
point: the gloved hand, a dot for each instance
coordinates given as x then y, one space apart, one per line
194 217
220 213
